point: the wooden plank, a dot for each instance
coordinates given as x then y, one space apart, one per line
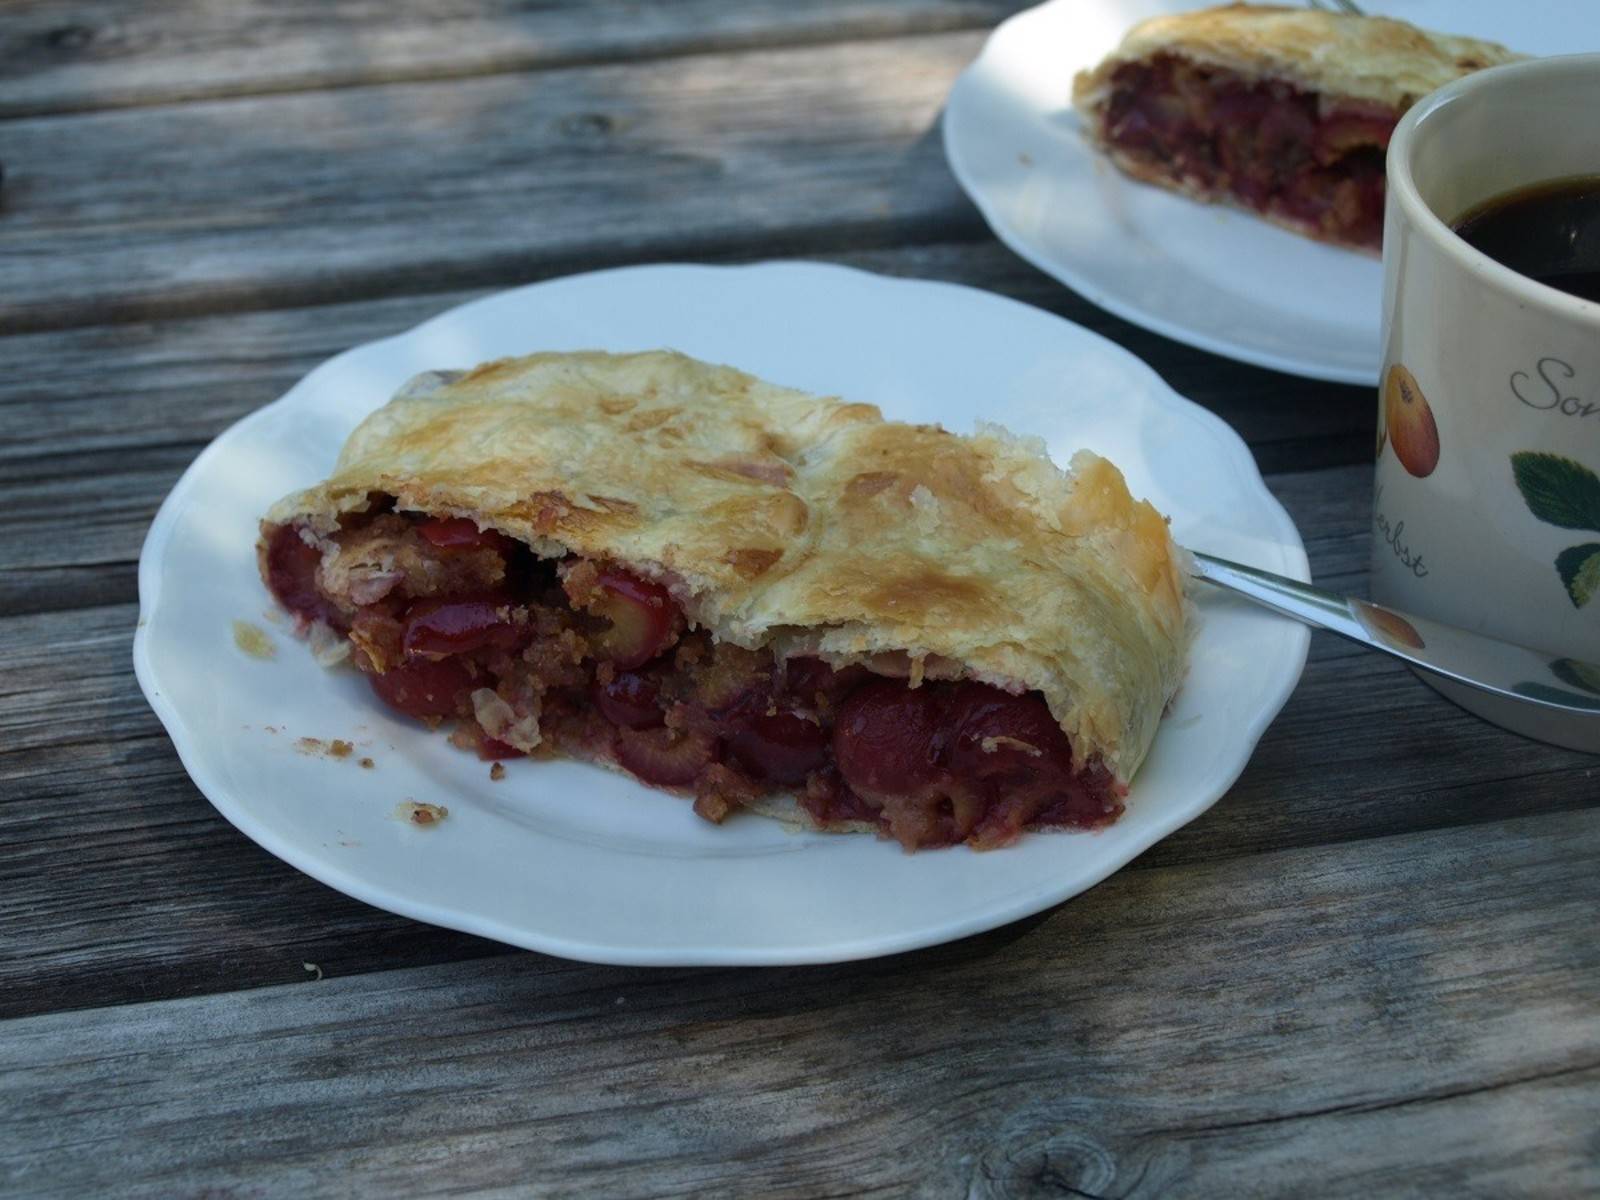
320 196
90 54
1411 1015
78 510
129 386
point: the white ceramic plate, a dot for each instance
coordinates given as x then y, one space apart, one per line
1205 275
580 862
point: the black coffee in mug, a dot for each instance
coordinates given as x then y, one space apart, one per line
1548 231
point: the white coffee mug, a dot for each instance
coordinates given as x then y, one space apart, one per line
1486 507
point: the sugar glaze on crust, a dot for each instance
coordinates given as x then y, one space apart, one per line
807 525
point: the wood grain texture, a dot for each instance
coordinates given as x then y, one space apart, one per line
1411 1015
309 197
1370 969
125 387
76 55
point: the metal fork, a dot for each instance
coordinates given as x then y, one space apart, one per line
1346 6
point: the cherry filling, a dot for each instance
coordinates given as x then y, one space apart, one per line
887 738
590 660
782 746
291 570
461 533
494 750
434 628
952 762
426 688
666 757
1284 152
641 619
629 700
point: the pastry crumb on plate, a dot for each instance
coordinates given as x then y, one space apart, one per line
253 640
418 813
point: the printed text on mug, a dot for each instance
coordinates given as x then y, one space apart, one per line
1549 392
1394 537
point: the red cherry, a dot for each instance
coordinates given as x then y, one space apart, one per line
460 533
449 533
458 625
779 747
425 687
292 575
493 750
629 701
1010 751
643 619
885 738
664 757
992 733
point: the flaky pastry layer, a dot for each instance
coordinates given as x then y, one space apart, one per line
1373 59
804 524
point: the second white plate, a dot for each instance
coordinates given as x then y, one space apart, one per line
581 862
1209 276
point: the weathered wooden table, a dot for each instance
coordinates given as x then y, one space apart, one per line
1372 968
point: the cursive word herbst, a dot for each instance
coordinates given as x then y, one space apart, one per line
1549 393
1394 537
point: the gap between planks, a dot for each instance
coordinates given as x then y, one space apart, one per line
513 269
1164 1025
86 57
315 196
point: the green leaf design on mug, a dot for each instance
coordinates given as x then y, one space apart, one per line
1562 492
1558 490
1582 675
1579 568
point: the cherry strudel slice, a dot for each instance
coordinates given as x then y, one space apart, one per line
745 594
1284 112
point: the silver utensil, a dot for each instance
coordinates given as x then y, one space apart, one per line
1565 687
1348 6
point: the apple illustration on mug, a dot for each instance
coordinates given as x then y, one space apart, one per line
1408 423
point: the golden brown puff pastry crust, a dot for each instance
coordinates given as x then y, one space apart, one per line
1374 59
802 523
